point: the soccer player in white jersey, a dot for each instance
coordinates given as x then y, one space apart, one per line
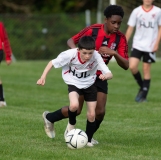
147 22
79 66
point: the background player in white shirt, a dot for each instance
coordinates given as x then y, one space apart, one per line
79 66
147 22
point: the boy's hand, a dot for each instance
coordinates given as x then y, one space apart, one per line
8 62
106 51
41 82
102 77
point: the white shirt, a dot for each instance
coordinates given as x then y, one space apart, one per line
146 23
77 73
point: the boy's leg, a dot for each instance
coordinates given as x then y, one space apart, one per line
139 80
100 108
60 114
90 126
2 100
102 91
146 81
133 65
72 122
1 92
148 59
72 111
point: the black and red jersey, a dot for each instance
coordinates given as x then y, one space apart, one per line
103 39
4 42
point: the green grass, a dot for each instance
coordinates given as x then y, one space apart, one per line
130 130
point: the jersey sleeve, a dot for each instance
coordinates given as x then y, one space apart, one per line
123 47
132 19
101 64
62 59
5 42
86 31
159 20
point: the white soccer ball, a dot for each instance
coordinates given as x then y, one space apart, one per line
76 139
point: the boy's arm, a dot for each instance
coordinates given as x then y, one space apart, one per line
106 73
41 81
156 46
71 43
129 32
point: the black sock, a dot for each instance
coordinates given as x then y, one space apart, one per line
146 86
1 93
55 116
138 79
98 122
90 129
72 117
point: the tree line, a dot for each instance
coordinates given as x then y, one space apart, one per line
58 6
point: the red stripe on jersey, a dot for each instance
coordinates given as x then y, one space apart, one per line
122 47
66 72
79 58
85 32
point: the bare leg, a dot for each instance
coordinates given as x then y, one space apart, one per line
62 113
64 110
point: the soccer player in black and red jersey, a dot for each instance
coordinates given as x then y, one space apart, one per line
4 46
109 42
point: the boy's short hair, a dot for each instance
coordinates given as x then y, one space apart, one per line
113 10
86 42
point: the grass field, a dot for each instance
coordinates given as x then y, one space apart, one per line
130 130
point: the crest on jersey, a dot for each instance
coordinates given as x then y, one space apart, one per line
90 66
153 15
113 45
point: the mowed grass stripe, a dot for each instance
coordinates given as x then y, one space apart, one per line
130 131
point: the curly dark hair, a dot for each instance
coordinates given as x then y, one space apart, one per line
113 10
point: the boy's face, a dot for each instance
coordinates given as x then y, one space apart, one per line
148 2
113 23
85 55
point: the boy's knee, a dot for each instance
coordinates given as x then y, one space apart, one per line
100 115
78 112
91 117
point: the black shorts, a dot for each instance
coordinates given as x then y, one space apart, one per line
102 86
1 55
147 57
90 93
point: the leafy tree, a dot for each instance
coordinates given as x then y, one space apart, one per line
46 6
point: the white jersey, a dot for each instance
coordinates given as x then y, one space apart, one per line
146 23
78 73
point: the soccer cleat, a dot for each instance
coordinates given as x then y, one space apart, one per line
93 141
139 95
3 104
48 126
89 144
68 128
142 100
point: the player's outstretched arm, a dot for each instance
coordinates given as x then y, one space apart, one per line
42 79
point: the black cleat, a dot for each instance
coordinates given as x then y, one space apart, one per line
142 100
139 96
